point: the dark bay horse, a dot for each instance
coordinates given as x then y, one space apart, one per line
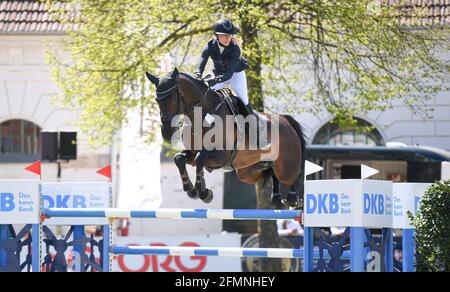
282 159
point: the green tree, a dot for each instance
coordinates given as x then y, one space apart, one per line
346 57
432 224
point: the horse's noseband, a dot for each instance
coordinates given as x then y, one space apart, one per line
162 95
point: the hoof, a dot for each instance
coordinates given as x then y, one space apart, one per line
192 194
292 199
278 202
295 200
206 196
299 204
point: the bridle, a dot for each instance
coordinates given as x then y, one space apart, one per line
182 108
162 95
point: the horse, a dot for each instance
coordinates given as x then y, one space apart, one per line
282 160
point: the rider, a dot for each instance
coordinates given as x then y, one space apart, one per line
229 65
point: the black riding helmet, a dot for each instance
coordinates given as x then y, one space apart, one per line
225 26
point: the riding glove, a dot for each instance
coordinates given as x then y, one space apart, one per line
213 81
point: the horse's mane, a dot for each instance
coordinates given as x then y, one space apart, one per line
195 81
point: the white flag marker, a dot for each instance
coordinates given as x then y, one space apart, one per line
311 168
367 171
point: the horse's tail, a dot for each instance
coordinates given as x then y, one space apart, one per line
298 129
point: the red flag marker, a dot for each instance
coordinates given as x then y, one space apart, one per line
35 168
105 171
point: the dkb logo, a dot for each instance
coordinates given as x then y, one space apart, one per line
64 201
6 202
373 204
322 203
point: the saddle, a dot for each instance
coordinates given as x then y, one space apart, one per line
236 106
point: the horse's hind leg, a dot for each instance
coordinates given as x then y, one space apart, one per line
180 160
289 172
254 173
294 198
277 198
206 195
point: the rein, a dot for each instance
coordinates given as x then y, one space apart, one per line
186 110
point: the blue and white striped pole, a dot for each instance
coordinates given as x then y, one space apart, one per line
230 214
217 251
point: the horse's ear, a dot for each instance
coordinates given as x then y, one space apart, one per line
174 74
153 79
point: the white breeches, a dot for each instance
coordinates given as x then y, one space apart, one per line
238 83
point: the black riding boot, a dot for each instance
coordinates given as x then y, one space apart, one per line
250 110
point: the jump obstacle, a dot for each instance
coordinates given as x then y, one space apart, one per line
357 245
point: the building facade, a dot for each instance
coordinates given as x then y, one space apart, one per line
26 90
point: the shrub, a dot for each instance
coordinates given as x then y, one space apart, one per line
432 224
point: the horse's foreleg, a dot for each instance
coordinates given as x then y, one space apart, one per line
204 194
180 160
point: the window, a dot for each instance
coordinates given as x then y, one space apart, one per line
19 137
331 134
